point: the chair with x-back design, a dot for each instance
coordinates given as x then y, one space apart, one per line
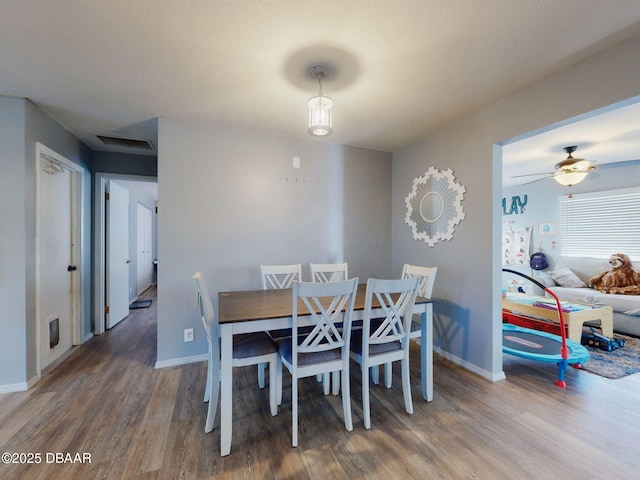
276 277
387 338
324 347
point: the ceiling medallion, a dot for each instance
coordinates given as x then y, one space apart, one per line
434 206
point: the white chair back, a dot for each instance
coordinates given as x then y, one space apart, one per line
426 275
280 276
207 315
331 307
329 272
396 298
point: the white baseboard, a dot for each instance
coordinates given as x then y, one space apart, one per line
14 387
174 362
20 387
494 377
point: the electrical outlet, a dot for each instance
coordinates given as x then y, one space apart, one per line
188 334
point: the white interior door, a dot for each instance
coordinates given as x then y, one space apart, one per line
55 303
145 246
117 251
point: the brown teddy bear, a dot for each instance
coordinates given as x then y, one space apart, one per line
622 278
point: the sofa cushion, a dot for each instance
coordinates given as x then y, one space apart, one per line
627 304
566 278
583 267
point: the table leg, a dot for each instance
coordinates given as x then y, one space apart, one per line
426 353
606 322
226 384
575 330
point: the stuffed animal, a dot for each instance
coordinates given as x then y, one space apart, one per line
622 278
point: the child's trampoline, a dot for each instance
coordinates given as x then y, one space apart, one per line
543 346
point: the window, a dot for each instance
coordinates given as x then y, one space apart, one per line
601 224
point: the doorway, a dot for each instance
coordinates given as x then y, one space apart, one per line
145 248
139 187
59 193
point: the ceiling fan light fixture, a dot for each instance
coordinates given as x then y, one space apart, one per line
569 178
320 107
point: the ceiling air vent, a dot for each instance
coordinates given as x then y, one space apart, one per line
126 143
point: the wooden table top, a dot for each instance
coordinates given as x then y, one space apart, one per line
247 305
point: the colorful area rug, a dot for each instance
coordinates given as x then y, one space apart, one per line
617 364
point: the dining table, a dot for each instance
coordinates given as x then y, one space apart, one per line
249 311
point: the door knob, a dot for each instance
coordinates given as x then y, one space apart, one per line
71 268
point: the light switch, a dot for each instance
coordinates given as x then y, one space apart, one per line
296 162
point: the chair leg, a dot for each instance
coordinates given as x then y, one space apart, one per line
388 374
406 385
326 383
335 382
274 386
279 380
261 367
346 399
375 374
294 411
207 388
366 413
213 382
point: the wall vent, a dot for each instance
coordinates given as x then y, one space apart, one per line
126 143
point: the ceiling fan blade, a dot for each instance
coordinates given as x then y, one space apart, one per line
533 174
623 163
537 179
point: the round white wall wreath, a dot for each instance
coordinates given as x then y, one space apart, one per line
434 206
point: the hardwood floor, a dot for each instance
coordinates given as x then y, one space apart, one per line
108 401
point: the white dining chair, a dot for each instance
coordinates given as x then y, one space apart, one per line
276 277
426 280
387 339
324 348
280 276
329 272
323 273
248 349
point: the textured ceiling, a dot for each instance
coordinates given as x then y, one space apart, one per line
400 69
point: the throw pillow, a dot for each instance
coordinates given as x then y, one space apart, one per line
566 278
546 281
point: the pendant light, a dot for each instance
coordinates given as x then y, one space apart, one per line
320 107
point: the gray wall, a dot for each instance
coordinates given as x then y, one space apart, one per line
229 200
28 124
467 291
13 288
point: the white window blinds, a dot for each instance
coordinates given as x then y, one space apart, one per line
601 224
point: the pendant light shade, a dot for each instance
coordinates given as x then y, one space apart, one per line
320 107
570 178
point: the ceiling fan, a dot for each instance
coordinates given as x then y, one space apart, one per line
569 172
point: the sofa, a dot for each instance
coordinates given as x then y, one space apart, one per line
626 308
